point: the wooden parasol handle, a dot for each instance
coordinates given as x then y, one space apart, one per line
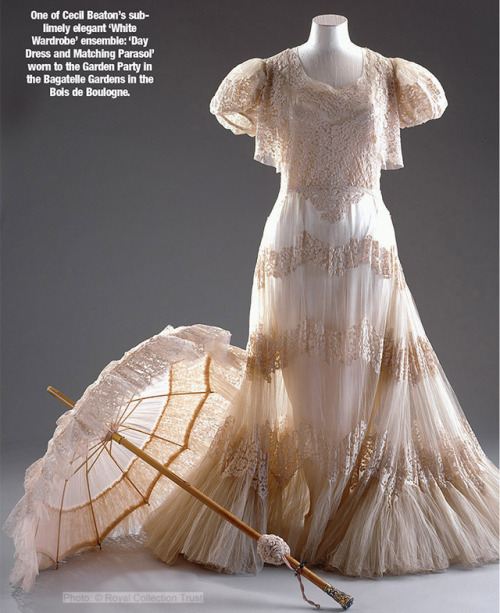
343 599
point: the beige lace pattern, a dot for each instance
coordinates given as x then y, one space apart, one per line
401 359
409 360
362 456
419 94
333 260
238 98
319 136
265 450
332 141
332 202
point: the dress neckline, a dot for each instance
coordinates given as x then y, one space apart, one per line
295 54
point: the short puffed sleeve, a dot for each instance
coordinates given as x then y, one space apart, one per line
238 99
419 95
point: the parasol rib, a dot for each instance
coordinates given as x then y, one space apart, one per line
200 404
162 438
96 451
126 476
91 505
59 523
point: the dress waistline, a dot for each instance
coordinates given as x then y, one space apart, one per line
333 201
333 189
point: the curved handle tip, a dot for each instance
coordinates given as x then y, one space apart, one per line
344 600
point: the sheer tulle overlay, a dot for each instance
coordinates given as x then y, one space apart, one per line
345 437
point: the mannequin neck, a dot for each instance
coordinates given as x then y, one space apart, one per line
329 33
329 55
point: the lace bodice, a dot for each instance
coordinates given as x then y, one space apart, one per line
323 138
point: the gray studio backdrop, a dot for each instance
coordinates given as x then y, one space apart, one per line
123 216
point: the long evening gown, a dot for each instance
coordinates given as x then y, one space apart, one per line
345 437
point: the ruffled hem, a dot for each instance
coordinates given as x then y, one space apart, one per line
372 532
426 529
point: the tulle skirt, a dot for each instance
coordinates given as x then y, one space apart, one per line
345 437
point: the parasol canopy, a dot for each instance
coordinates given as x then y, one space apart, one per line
168 396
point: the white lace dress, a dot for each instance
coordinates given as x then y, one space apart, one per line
345 437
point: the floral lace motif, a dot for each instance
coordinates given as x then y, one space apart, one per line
331 132
419 99
235 103
401 359
332 202
267 453
412 360
333 260
320 135
417 461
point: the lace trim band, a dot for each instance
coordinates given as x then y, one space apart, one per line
333 260
332 202
264 452
401 359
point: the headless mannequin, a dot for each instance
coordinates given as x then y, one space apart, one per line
329 55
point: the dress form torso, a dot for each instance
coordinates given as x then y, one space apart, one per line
329 55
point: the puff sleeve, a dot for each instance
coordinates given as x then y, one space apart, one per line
419 95
238 100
